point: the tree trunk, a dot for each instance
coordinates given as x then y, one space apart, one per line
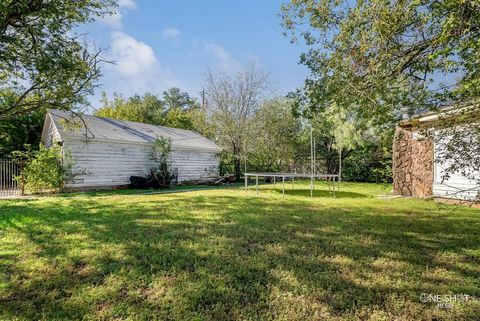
237 168
236 162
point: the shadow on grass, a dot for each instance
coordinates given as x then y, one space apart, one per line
131 191
199 257
317 193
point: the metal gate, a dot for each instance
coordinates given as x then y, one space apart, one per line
9 169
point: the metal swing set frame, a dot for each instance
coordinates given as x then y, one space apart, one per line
332 179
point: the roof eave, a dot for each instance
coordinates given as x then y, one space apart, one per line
433 117
118 141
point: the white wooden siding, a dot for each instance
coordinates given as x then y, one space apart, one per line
116 150
50 133
456 187
98 164
194 165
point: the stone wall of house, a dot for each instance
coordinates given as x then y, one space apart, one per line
422 167
402 162
412 164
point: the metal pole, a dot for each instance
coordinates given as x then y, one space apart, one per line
314 164
16 174
340 165
14 190
274 181
283 186
338 185
10 177
1 177
313 185
311 161
22 164
245 155
314 156
257 184
293 180
246 184
4 178
334 195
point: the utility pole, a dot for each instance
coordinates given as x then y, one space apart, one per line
203 100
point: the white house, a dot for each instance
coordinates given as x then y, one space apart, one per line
417 170
106 152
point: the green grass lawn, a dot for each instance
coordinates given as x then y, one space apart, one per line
227 254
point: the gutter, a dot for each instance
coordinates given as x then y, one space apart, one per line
428 118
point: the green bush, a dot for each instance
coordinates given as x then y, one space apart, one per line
162 147
369 163
45 170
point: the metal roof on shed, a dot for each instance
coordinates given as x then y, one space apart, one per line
101 129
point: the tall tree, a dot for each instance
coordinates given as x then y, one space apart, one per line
178 118
44 63
144 109
344 129
274 140
150 109
21 130
233 101
384 59
175 98
202 122
179 107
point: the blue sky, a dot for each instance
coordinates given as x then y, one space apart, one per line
165 43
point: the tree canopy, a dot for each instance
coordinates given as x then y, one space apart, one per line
147 108
175 109
44 63
20 131
233 101
383 60
275 137
386 58
175 98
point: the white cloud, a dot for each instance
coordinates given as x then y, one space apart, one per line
115 20
133 57
127 4
136 68
218 51
171 33
225 60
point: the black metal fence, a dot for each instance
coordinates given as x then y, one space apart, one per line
9 169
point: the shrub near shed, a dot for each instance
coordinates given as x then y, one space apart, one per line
45 171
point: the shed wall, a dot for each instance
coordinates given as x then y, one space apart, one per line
50 133
102 165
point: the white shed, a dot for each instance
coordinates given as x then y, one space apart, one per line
106 152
